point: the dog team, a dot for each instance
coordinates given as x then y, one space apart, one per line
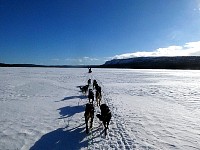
105 115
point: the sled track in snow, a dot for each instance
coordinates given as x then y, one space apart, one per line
117 137
118 131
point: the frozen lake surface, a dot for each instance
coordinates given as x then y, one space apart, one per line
42 108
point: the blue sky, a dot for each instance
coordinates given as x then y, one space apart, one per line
61 32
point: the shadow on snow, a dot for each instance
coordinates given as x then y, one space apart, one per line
69 111
62 139
72 97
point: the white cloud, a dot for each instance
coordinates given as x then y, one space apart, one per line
90 59
189 49
82 61
86 57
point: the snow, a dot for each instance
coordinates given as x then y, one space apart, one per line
42 108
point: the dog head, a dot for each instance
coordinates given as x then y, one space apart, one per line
88 105
89 111
105 111
103 107
100 117
98 88
94 82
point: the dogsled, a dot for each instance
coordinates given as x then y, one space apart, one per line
89 70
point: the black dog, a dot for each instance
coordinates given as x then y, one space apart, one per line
89 82
90 96
94 83
105 116
84 89
89 114
98 94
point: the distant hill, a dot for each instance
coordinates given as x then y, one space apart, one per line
19 65
47 66
179 62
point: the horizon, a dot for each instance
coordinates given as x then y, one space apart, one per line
93 32
91 65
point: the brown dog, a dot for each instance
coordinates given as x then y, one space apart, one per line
98 97
89 114
98 88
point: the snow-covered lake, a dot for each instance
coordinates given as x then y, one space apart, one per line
42 108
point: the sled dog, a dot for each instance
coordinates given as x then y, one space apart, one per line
105 116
